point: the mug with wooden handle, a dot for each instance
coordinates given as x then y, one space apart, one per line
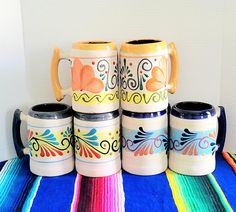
144 74
95 76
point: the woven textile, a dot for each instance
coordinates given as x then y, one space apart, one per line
23 191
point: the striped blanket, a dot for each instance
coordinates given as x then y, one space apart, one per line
22 191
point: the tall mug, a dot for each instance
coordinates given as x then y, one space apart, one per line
144 74
144 142
95 76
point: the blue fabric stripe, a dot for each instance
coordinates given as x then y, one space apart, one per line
226 179
55 193
13 179
28 202
147 193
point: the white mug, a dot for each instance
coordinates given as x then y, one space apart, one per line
50 138
97 144
144 142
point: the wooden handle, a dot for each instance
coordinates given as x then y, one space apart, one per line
174 67
54 75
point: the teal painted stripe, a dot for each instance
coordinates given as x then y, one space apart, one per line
7 178
29 201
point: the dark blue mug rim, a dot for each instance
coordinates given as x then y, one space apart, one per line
193 110
96 116
143 115
50 111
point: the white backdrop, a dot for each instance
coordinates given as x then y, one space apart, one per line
203 32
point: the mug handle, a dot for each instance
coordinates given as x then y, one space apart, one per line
174 67
222 123
19 147
59 92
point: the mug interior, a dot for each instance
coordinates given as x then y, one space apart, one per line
143 41
193 106
49 107
97 42
193 110
50 111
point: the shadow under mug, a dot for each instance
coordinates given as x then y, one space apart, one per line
50 138
197 131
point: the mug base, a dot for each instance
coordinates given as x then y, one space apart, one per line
98 169
144 165
52 169
191 165
96 108
144 108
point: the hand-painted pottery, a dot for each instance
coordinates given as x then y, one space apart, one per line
94 77
97 143
144 74
144 142
194 138
49 138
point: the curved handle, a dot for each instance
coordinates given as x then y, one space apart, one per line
54 75
19 147
174 67
220 141
58 91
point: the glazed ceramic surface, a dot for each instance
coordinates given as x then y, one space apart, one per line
144 142
94 77
144 75
97 144
193 138
49 139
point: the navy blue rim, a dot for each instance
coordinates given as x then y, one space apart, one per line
143 115
193 110
97 116
50 111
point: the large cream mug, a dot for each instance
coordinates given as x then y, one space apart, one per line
94 76
144 74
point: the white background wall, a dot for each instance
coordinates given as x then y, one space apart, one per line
204 33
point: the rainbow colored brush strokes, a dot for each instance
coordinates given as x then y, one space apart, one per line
20 190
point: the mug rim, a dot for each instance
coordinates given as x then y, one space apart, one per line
96 116
144 115
95 45
197 110
46 111
143 48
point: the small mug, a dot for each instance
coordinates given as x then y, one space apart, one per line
97 143
144 142
95 76
49 138
144 74
194 138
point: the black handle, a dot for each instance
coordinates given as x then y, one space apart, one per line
16 134
220 141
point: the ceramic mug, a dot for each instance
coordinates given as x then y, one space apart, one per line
194 138
144 74
95 76
49 138
97 143
144 142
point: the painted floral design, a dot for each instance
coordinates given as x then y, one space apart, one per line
89 145
47 144
193 143
127 80
144 142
